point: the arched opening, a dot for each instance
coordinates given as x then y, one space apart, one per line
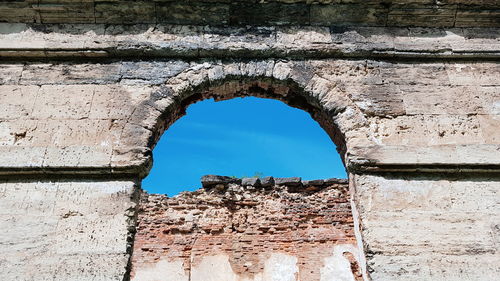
241 137
234 229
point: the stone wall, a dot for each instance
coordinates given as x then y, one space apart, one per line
248 229
414 110
66 229
445 13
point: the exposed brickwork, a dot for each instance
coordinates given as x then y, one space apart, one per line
247 223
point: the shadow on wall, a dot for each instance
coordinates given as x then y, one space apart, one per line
342 33
249 137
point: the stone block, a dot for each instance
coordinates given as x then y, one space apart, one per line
267 181
156 72
21 156
476 15
17 101
74 12
292 181
126 12
269 14
348 14
313 182
10 73
67 230
63 102
78 156
197 13
250 182
211 180
18 12
68 74
422 15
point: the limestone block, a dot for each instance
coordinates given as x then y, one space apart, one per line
127 12
269 13
485 74
426 130
63 102
115 102
17 101
72 12
67 74
198 12
156 72
421 15
418 216
348 14
477 16
78 156
431 155
10 73
18 12
489 127
65 230
490 99
22 156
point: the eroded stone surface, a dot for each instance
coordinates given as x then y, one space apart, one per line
279 12
66 230
230 231
447 227
408 90
367 107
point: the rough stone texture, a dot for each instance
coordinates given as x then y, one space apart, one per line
446 13
238 232
408 90
423 226
97 41
66 229
59 114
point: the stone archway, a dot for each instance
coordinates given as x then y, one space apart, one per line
297 84
415 149
169 102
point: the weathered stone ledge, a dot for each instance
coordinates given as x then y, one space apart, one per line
294 183
76 41
377 159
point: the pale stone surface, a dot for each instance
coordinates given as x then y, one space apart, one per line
379 112
65 230
430 226
417 107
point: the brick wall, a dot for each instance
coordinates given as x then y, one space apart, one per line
252 225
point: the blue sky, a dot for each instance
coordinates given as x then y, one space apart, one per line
241 137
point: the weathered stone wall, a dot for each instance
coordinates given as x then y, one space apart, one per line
248 229
430 227
444 13
65 229
414 112
109 115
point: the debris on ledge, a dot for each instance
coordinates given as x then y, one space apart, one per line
294 184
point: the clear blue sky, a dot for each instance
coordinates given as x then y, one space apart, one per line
241 137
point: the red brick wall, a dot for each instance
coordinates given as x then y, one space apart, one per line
247 224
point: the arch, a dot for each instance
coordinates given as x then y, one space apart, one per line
294 83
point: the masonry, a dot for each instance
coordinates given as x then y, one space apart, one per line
248 229
409 92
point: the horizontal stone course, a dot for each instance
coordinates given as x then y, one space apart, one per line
327 13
